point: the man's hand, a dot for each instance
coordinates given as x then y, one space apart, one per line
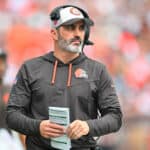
51 130
77 129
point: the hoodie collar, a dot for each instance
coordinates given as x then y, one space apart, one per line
56 62
51 58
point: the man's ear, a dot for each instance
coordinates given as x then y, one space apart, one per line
54 34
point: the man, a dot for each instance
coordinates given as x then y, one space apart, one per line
4 90
8 138
64 78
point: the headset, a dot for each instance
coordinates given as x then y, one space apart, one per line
55 15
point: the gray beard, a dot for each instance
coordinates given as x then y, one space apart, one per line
67 46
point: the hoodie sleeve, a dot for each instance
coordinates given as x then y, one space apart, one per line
109 108
19 105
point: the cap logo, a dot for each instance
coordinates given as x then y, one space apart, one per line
75 11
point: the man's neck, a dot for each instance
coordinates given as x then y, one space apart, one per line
65 56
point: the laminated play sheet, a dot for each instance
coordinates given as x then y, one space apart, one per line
60 115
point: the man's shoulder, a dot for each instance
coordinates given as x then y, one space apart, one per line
36 61
94 62
34 64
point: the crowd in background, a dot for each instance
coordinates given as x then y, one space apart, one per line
122 41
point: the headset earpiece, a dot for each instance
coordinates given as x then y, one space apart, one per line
55 16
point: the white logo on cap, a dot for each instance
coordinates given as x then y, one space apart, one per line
66 15
75 11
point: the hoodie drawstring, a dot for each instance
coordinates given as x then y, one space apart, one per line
54 72
69 74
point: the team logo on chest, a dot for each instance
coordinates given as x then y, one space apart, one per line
81 73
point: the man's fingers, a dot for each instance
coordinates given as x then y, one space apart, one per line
53 130
49 129
56 126
77 129
73 131
72 126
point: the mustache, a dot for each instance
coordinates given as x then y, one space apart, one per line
74 39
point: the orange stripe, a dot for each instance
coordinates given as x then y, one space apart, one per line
54 72
69 75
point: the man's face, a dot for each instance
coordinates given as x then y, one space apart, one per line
71 37
2 67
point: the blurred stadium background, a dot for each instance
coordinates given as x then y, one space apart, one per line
122 41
